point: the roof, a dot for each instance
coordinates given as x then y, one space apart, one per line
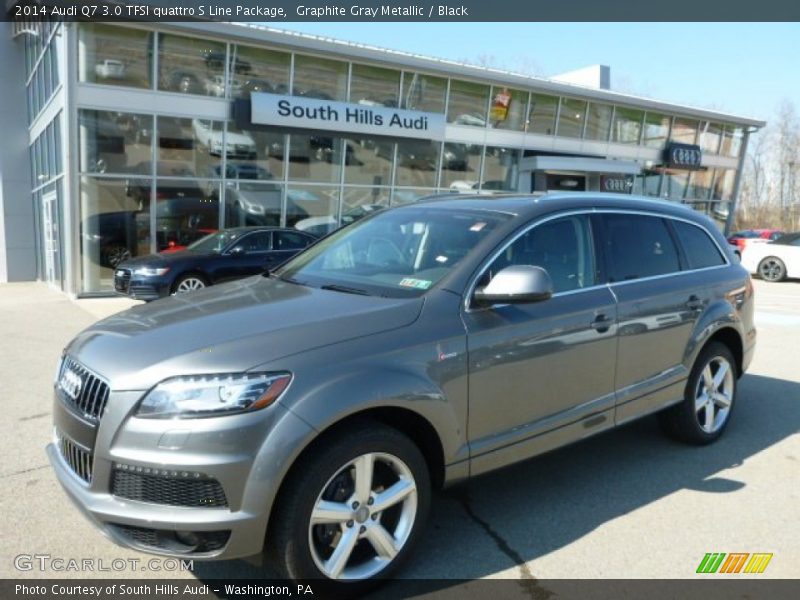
331 47
530 205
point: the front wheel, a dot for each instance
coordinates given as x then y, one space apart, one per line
772 269
352 510
188 283
708 398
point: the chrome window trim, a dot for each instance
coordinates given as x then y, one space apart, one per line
591 211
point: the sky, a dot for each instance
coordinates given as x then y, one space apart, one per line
745 69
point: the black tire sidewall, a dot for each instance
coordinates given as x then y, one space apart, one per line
313 472
687 422
779 262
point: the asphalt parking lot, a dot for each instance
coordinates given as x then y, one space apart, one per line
626 504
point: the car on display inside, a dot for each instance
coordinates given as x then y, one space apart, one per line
313 409
776 260
222 256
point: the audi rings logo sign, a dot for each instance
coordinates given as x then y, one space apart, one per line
620 184
71 383
683 156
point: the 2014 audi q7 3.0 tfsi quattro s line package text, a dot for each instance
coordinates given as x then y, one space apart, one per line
310 412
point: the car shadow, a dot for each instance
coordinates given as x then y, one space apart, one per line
536 507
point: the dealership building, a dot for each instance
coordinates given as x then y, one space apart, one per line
121 140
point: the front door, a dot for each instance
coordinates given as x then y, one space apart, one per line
50 238
541 374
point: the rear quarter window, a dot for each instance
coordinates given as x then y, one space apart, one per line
701 251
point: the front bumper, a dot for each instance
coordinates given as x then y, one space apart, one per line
237 451
141 288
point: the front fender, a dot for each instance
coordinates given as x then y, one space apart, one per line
370 387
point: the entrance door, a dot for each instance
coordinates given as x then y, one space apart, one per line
51 242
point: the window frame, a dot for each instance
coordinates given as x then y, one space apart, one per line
251 234
685 257
598 233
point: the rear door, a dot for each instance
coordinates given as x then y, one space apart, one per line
658 304
547 366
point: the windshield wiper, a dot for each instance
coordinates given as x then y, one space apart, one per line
347 290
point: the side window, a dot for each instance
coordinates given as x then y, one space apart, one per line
256 242
286 240
701 251
563 247
638 246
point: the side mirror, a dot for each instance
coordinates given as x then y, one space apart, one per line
518 284
237 251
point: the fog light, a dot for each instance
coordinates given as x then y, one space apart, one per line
188 537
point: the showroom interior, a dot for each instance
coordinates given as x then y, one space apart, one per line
122 140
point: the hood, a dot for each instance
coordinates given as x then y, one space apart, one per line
158 260
230 328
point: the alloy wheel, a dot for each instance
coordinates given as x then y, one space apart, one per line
714 394
189 284
771 269
363 517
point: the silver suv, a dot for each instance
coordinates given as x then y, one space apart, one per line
311 411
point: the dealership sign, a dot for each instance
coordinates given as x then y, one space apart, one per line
369 119
682 156
620 184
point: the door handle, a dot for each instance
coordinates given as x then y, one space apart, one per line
694 303
601 323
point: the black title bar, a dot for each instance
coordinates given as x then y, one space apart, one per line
275 12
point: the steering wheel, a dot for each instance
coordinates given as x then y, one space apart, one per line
383 252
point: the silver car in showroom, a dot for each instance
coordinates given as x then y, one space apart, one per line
310 412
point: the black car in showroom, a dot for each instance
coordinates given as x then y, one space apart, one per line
222 256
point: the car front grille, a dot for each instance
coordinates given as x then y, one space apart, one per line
183 542
79 459
90 397
122 279
178 489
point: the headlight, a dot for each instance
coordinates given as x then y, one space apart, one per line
212 395
151 271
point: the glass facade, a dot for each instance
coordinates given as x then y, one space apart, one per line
115 56
598 121
149 181
570 118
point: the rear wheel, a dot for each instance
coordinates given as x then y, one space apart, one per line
772 269
708 399
353 509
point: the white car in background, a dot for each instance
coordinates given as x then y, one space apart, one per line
110 69
209 134
776 260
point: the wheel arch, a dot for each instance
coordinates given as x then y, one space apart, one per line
729 337
193 271
414 425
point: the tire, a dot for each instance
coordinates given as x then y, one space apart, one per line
189 282
702 417
772 268
114 255
302 550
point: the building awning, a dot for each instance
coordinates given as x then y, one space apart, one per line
581 164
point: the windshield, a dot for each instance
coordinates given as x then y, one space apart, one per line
214 243
397 253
